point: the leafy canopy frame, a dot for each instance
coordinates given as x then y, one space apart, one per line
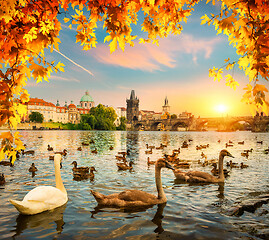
27 27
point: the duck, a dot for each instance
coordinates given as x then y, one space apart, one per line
33 168
79 169
92 170
248 150
7 163
29 152
111 148
125 166
79 148
149 147
121 158
245 154
232 164
94 151
43 198
78 176
160 147
242 165
85 144
242 142
136 198
266 151
182 165
50 148
151 162
203 177
125 153
148 151
185 145
2 179
215 171
63 153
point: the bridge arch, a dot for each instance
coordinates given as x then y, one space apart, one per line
202 125
178 124
244 124
138 126
155 126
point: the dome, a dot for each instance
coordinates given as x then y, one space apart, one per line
86 97
72 105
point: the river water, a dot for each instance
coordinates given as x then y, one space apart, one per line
193 211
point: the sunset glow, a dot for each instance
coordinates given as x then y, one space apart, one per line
221 108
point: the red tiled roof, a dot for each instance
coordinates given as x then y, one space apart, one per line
61 107
72 106
40 102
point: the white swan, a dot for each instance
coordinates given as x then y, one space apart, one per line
44 198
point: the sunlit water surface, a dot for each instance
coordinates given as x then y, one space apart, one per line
191 212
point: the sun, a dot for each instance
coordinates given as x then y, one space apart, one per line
221 108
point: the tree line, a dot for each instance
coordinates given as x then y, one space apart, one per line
99 118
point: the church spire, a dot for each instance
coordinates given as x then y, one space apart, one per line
132 96
166 101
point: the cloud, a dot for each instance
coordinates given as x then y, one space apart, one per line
149 57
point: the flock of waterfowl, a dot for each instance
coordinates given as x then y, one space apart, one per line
44 198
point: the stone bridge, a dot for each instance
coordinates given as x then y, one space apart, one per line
255 124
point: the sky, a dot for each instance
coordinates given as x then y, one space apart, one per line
177 68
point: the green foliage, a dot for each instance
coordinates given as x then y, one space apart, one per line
99 118
88 121
36 117
173 116
122 125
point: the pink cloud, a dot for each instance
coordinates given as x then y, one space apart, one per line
149 57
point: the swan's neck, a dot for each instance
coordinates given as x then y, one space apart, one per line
159 186
221 173
58 179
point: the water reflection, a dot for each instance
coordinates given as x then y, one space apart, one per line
132 144
41 221
220 195
193 211
157 219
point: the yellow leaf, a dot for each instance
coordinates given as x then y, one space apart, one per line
151 2
13 122
7 135
2 154
205 19
122 43
66 20
107 38
259 88
141 40
79 12
113 45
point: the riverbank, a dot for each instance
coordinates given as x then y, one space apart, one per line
35 126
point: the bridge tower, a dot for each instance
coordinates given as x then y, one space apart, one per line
132 108
166 108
